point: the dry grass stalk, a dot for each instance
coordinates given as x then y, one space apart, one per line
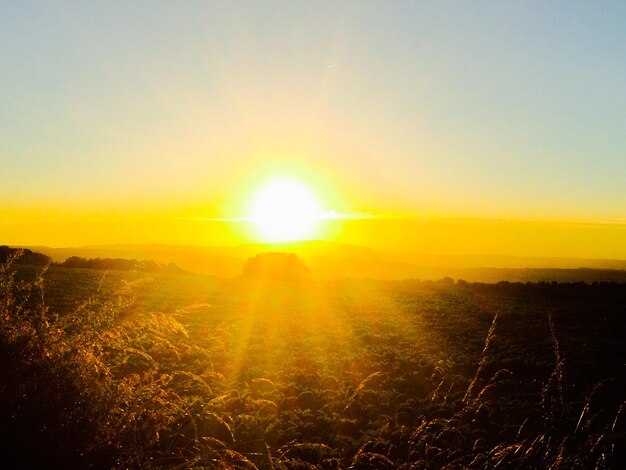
559 360
483 360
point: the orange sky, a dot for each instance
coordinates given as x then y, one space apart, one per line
433 128
426 235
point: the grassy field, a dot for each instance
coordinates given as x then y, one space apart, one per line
123 369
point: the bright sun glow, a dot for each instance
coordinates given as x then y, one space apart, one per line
285 210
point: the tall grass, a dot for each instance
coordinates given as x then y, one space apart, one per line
81 390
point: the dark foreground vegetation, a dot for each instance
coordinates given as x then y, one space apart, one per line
182 371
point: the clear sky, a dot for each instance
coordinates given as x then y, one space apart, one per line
495 110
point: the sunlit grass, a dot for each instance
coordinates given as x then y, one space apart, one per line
179 370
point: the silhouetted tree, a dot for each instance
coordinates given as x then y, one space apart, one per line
276 267
119 264
26 257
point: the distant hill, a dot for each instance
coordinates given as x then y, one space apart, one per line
329 260
189 258
496 261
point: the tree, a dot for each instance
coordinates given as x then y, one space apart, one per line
24 256
276 267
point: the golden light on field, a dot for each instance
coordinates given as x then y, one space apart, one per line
285 210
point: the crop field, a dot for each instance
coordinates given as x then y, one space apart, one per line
135 370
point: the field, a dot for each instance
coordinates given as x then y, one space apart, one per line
129 370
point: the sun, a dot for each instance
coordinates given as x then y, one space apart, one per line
285 210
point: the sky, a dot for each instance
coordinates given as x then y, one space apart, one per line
130 121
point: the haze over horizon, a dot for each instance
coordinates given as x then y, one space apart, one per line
493 128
